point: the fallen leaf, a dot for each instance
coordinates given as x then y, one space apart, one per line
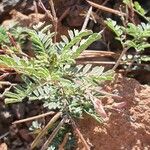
99 108
119 105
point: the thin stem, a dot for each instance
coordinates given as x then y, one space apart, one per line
87 19
52 136
116 12
62 145
44 130
55 19
46 11
36 10
79 134
34 117
4 135
119 59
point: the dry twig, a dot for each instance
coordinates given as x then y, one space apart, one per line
44 130
119 59
79 134
62 145
87 19
4 75
55 131
36 10
52 16
110 10
55 20
34 117
96 62
4 135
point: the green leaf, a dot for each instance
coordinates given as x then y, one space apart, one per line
76 39
114 27
87 68
139 8
92 38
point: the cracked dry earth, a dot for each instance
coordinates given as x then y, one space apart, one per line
127 129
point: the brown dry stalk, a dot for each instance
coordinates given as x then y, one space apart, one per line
96 62
48 13
12 41
95 54
55 131
89 56
55 20
66 12
52 16
108 94
87 19
87 147
34 117
44 130
62 145
52 8
5 83
105 2
36 10
119 59
4 75
104 8
4 135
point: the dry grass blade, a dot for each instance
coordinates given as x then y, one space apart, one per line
4 135
55 20
44 130
48 13
62 145
87 19
55 131
93 53
97 52
108 94
36 10
52 8
96 62
3 76
64 15
110 10
87 147
119 59
34 117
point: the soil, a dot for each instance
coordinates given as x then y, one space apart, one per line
128 124
126 129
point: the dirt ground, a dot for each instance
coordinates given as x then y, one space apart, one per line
126 129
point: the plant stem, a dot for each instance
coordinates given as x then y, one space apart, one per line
79 134
104 8
62 145
44 130
87 19
34 117
119 59
55 131
55 20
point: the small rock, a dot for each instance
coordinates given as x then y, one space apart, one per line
3 146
